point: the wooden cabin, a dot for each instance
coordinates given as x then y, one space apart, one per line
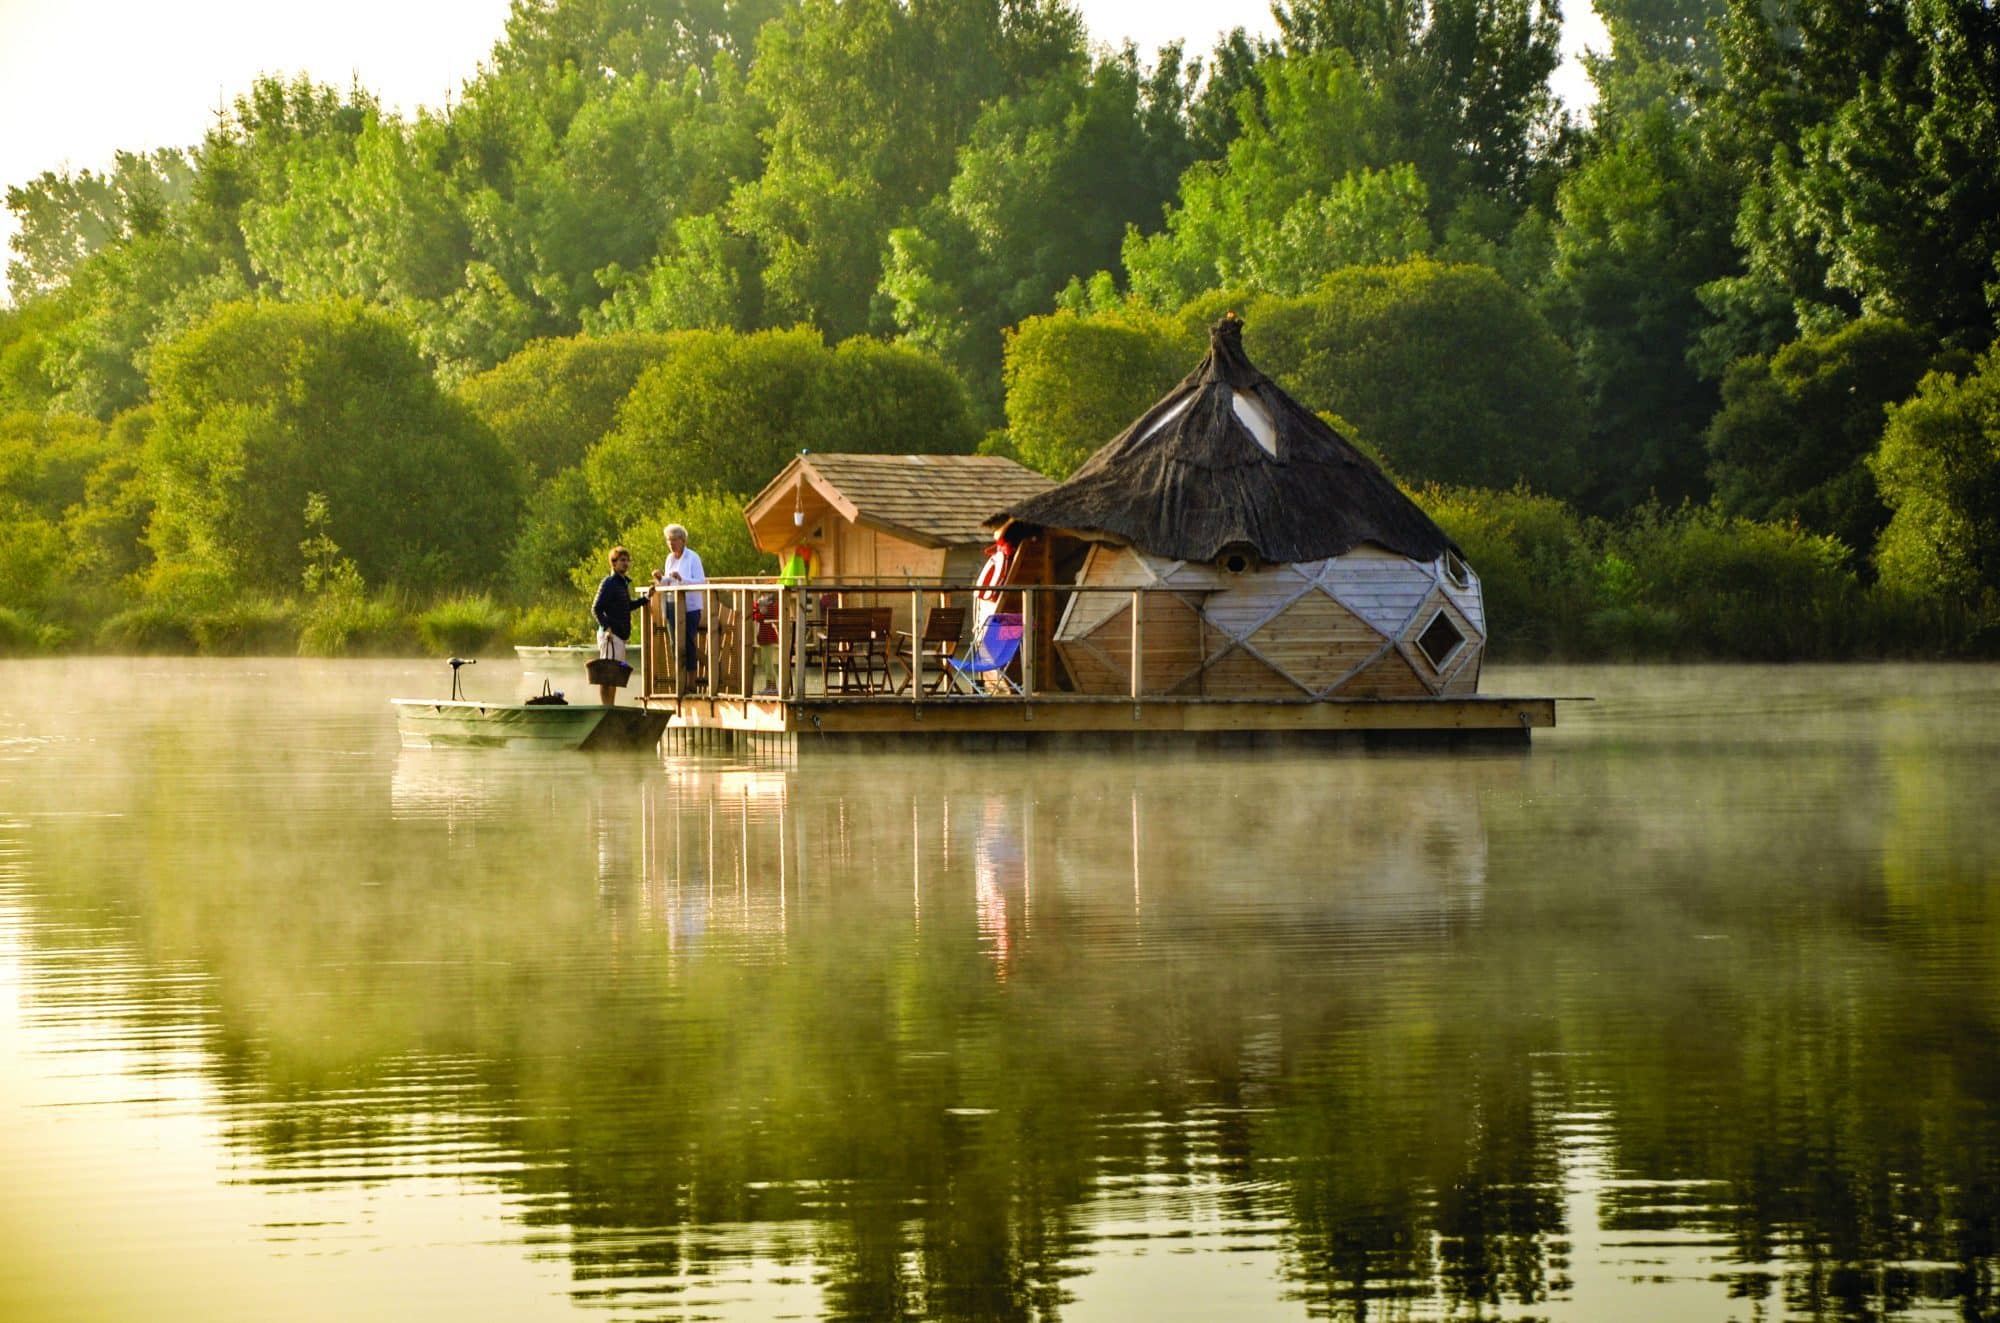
888 520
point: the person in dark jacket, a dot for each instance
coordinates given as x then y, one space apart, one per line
613 608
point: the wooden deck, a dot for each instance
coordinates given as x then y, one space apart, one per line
989 722
793 711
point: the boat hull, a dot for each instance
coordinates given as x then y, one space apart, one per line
442 724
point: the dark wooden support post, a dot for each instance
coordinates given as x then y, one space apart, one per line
797 665
917 647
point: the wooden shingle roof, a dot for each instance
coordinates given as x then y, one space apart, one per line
932 500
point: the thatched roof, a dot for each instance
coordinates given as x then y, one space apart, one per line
1226 460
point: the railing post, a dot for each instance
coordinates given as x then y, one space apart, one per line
1027 642
744 628
787 641
917 646
646 651
797 664
1138 640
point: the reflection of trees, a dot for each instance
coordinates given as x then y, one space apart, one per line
909 1023
1793 1068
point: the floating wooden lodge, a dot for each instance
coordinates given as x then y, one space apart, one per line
1229 568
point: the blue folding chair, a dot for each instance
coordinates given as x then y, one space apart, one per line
992 653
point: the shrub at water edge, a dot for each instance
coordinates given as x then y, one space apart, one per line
551 624
248 627
21 635
462 626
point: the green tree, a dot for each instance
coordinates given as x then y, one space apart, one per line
1445 369
870 102
561 525
548 405
272 133
46 459
124 299
727 411
24 345
553 401
1319 123
1074 382
62 218
33 558
170 262
107 528
1044 190
1642 225
1869 140
1369 218
1794 432
707 277
265 403
367 215
45 465
584 193
1216 110
1663 54
1939 471
618 39
1464 84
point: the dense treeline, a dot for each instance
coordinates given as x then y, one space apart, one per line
1713 373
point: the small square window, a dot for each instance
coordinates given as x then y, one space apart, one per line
1440 641
1456 569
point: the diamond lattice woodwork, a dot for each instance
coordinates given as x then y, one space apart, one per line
1316 641
1341 628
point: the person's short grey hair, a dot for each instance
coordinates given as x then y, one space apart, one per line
672 529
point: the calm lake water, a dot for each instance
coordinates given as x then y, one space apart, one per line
1691 1012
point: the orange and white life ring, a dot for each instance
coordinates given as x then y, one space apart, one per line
993 574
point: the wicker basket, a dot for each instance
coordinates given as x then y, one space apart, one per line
603 670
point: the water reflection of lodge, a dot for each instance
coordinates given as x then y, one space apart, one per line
748 849
1229 567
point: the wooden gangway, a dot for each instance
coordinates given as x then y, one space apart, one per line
787 686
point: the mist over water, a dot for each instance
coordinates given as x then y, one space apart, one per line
1689 1012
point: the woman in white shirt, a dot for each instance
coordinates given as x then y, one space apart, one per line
684 568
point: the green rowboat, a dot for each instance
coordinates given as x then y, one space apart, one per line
431 723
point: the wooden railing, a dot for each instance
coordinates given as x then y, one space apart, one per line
728 657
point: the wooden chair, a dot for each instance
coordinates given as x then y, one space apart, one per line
855 645
942 629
